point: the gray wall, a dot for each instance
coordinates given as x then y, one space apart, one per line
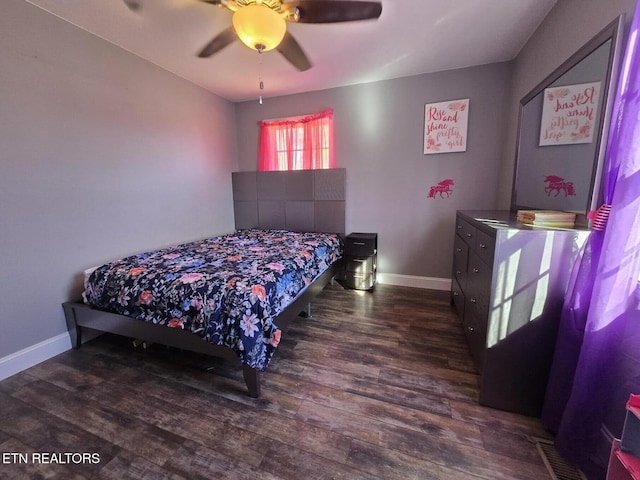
568 26
102 154
379 131
378 139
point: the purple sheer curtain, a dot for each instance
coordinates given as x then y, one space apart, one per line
597 359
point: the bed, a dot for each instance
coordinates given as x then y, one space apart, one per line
229 296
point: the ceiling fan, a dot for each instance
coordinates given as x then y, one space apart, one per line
261 24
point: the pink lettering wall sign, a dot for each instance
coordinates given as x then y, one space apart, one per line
445 126
569 114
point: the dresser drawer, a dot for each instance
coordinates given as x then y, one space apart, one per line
457 297
466 231
361 282
460 258
360 244
477 338
360 265
476 309
485 246
478 291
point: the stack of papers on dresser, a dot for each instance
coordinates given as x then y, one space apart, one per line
547 218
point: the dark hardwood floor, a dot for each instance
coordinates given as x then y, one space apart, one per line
375 385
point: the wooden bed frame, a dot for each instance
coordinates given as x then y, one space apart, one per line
300 200
80 316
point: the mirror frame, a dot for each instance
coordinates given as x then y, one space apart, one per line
612 32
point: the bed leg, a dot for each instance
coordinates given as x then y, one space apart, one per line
252 379
75 331
306 313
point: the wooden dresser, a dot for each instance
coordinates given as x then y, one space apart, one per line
508 286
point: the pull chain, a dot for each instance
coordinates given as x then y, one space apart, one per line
260 76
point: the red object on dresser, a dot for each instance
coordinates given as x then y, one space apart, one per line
624 461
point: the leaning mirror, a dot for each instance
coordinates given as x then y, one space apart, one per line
562 130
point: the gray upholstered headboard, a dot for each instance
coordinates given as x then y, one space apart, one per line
301 200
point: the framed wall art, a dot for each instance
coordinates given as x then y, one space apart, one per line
445 126
569 114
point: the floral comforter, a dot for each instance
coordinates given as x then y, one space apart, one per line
226 289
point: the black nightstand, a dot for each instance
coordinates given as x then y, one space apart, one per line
360 260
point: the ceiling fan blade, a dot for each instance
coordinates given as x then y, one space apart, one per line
133 5
218 43
292 51
321 11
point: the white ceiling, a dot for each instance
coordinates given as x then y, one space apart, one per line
410 37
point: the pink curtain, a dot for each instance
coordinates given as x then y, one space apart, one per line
297 143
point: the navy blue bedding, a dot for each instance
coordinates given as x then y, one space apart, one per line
227 289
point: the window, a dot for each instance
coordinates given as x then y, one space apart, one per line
297 143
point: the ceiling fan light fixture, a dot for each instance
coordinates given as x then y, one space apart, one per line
259 27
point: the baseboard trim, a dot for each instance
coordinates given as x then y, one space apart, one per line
30 356
399 280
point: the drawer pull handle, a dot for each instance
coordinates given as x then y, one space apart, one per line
458 250
459 227
361 260
476 270
472 300
469 235
455 294
359 243
470 328
458 272
482 245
